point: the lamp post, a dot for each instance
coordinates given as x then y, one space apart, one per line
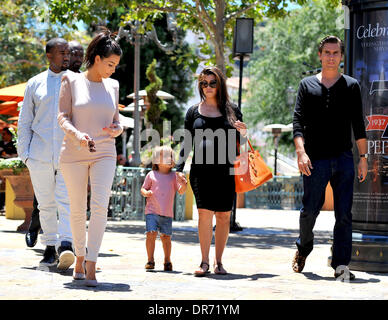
276 129
144 103
136 38
242 49
242 46
290 97
126 123
136 138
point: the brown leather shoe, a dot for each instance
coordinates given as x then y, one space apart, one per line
298 262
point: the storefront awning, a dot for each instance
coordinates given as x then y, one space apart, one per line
13 93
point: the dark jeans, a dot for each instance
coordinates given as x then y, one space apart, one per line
340 172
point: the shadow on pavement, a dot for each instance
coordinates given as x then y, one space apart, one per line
313 276
376 273
11 231
261 238
39 252
236 276
162 271
102 286
107 255
67 273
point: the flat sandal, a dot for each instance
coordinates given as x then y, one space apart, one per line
203 273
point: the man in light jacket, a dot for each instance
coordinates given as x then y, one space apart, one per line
39 143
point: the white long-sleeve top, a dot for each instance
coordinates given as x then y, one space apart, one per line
39 134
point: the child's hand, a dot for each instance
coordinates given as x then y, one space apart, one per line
181 178
148 193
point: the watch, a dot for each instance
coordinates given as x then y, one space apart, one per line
364 156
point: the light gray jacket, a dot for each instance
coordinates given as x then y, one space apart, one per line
39 135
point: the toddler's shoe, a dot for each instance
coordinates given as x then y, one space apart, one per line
150 265
168 266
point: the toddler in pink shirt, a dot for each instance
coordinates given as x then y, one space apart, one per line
159 187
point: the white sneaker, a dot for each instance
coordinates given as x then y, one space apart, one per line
66 259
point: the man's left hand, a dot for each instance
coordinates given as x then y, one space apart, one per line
362 169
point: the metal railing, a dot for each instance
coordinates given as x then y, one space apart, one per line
126 202
282 192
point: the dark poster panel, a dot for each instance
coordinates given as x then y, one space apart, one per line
370 67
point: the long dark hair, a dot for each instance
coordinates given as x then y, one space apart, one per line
103 45
223 100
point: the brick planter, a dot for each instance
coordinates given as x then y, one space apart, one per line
23 196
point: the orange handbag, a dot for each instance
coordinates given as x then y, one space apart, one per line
250 170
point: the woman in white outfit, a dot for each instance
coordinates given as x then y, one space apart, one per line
88 114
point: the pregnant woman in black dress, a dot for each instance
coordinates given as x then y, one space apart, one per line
213 126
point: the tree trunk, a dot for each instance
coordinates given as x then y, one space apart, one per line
220 35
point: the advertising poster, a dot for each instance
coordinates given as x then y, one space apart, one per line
369 36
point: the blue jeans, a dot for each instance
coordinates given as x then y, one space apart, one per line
340 172
155 222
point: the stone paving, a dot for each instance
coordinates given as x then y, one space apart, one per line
258 260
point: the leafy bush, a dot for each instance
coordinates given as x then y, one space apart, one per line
16 164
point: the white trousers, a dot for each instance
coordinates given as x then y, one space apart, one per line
53 202
101 173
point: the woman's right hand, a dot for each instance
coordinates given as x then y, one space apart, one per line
85 140
88 142
181 178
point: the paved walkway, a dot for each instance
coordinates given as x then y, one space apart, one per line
258 260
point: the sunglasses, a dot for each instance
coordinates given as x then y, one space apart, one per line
211 84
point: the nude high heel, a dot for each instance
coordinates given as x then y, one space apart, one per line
90 282
79 275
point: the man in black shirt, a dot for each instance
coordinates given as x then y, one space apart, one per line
328 107
76 56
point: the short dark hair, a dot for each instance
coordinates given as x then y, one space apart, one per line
51 44
331 39
102 45
75 44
